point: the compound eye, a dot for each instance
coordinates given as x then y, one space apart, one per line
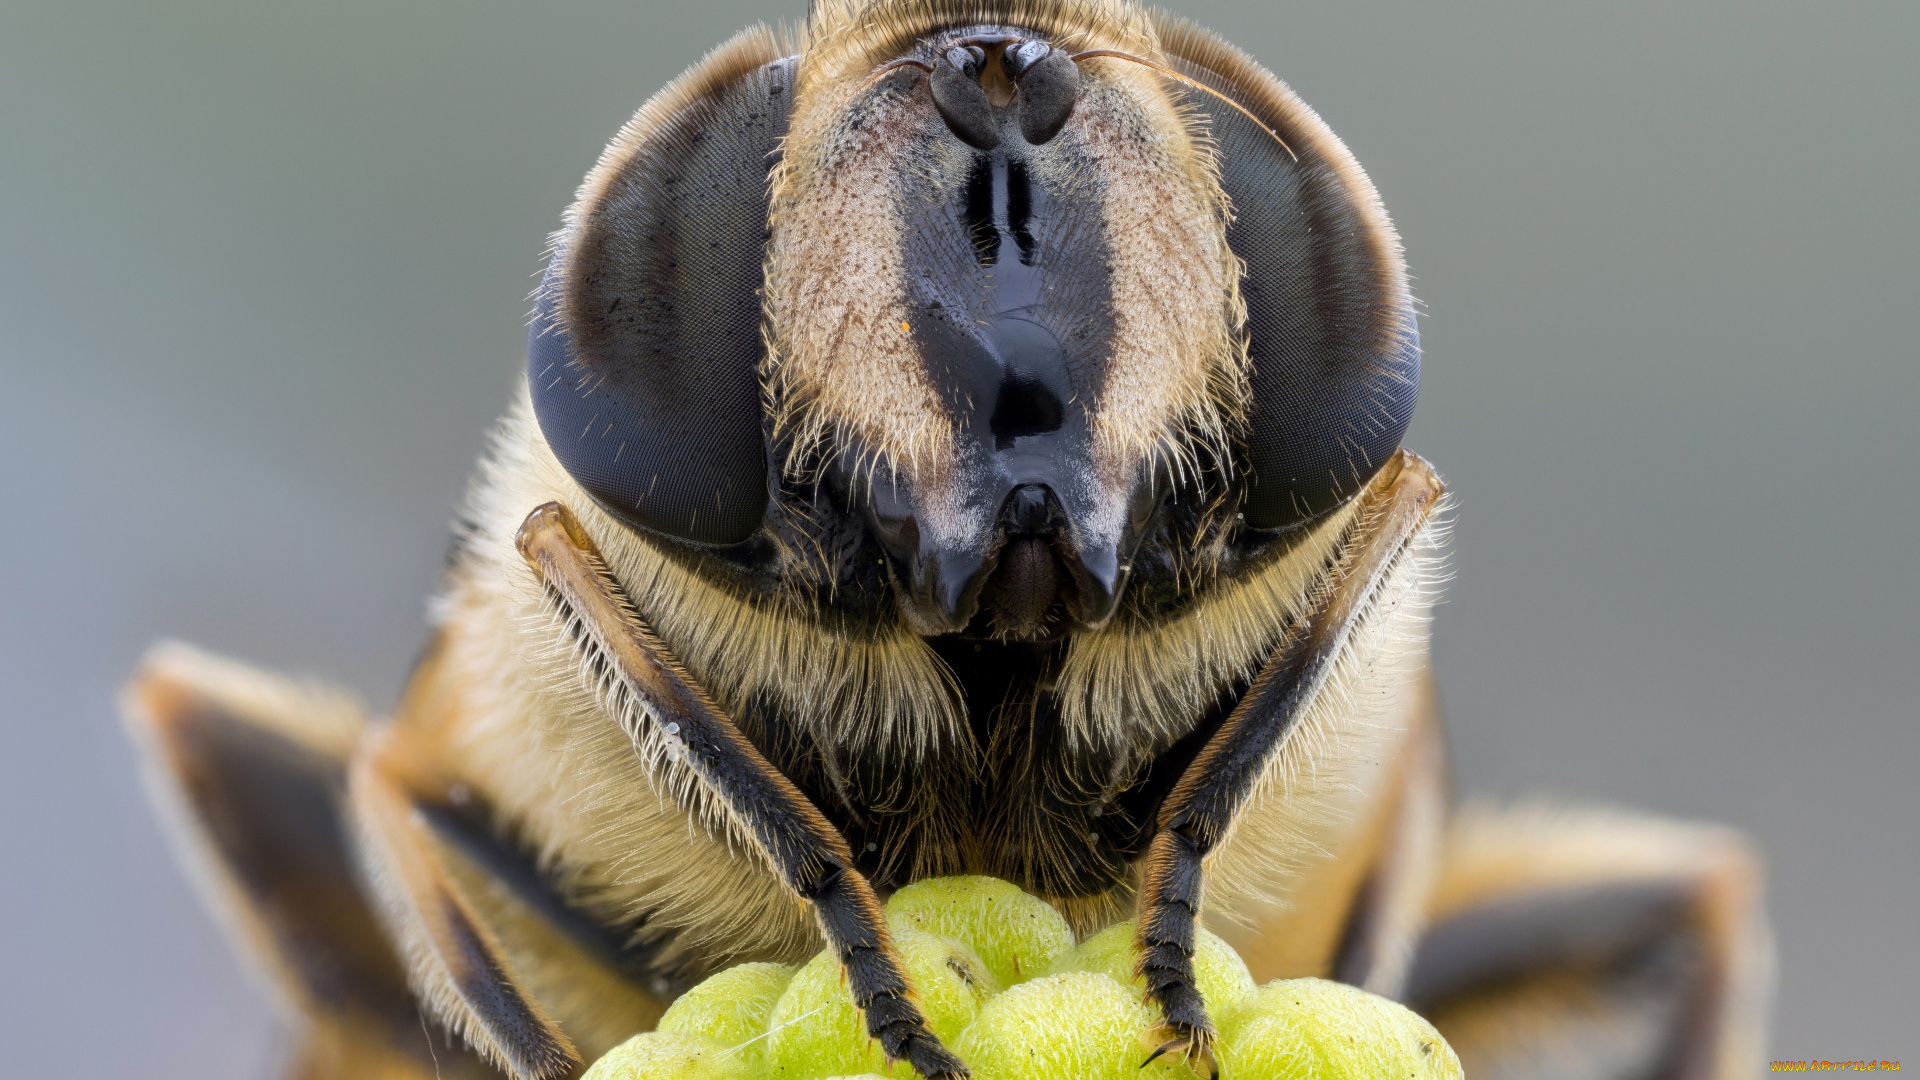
645 351
1330 327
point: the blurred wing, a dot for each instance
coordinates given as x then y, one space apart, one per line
249 771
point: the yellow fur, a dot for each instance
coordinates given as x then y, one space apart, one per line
530 735
630 842
1280 884
537 742
1160 676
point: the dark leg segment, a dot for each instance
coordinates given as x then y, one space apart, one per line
457 967
763 807
1169 911
1588 944
1202 806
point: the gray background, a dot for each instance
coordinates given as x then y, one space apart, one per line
262 275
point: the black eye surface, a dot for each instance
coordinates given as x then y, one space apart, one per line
1330 326
645 349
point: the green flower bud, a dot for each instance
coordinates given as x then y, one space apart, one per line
657 1055
1217 970
817 1032
1312 1029
1017 934
732 1008
1079 1025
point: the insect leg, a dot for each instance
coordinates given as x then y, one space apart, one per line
1591 943
457 965
249 770
1204 803
760 805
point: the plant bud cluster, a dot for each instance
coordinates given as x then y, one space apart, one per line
1003 983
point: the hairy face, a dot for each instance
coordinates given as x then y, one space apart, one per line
1006 352
992 311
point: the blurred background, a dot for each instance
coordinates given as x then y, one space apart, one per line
263 269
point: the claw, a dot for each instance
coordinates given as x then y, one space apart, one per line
1194 1045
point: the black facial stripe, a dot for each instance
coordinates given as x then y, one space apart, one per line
1025 406
1020 208
1017 347
1038 325
979 213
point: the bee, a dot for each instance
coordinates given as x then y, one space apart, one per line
957 438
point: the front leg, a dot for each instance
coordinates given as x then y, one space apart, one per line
674 719
1203 805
